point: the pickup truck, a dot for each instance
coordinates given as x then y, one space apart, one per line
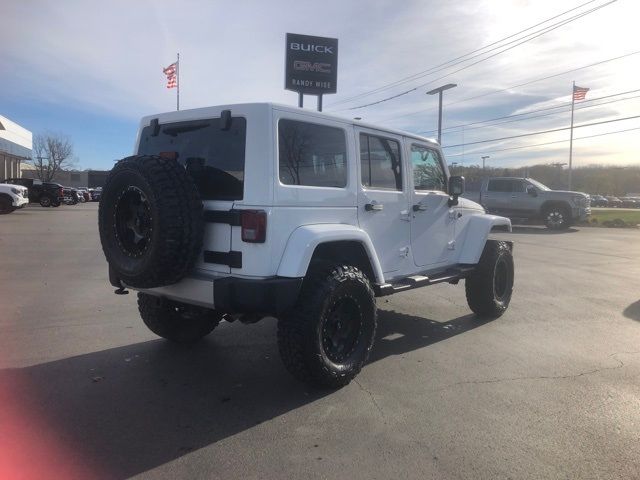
526 198
47 194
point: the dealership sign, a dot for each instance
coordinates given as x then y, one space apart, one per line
311 64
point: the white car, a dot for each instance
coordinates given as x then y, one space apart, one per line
12 197
255 210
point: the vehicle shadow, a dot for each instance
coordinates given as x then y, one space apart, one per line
541 230
633 311
129 409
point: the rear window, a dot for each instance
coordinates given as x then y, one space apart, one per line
214 158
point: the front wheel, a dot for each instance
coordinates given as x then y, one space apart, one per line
557 217
490 286
6 206
327 337
176 321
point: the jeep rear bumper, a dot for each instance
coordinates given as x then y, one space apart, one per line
271 296
240 295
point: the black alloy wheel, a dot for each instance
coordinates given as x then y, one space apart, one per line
133 222
502 279
341 329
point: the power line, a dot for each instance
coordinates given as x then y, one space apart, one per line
529 82
581 107
541 132
456 59
545 143
546 30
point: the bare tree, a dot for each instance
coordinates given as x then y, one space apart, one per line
50 154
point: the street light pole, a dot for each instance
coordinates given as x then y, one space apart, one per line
439 91
483 160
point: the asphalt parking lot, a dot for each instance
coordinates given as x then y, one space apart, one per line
550 390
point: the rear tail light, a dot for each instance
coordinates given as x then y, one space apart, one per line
254 226
61 192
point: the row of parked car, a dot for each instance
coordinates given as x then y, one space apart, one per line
16 192
615 202
73 196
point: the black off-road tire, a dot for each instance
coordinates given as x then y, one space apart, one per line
46 201
329 292
176 321
6 206
490 286
557 217
171 223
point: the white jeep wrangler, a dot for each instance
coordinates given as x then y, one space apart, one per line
254 210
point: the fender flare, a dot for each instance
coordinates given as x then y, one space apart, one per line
477 232
303 241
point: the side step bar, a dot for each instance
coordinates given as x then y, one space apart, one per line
452 275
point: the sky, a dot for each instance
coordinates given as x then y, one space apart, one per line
90 69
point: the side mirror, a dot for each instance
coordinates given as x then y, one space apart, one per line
456 188
531 190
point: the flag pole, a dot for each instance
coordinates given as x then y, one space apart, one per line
573 101
178 83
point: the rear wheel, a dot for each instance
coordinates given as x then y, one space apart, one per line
557 217
176 321
490 286
327 337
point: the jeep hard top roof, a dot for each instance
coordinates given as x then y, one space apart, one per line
214 111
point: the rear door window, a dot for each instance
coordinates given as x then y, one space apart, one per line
380 163
500 185
311 154
213 157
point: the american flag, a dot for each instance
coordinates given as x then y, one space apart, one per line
579 92
171 73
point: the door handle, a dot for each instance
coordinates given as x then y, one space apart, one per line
373 207
513 196
420 207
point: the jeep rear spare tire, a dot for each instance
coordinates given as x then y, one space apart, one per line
150 221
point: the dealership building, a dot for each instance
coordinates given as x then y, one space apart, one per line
15 148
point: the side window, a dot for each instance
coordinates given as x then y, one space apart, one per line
519 186
428 173
311 154
499 185
380 163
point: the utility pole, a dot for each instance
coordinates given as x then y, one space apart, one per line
484 158
439 91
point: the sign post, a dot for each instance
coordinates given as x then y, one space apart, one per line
311 66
